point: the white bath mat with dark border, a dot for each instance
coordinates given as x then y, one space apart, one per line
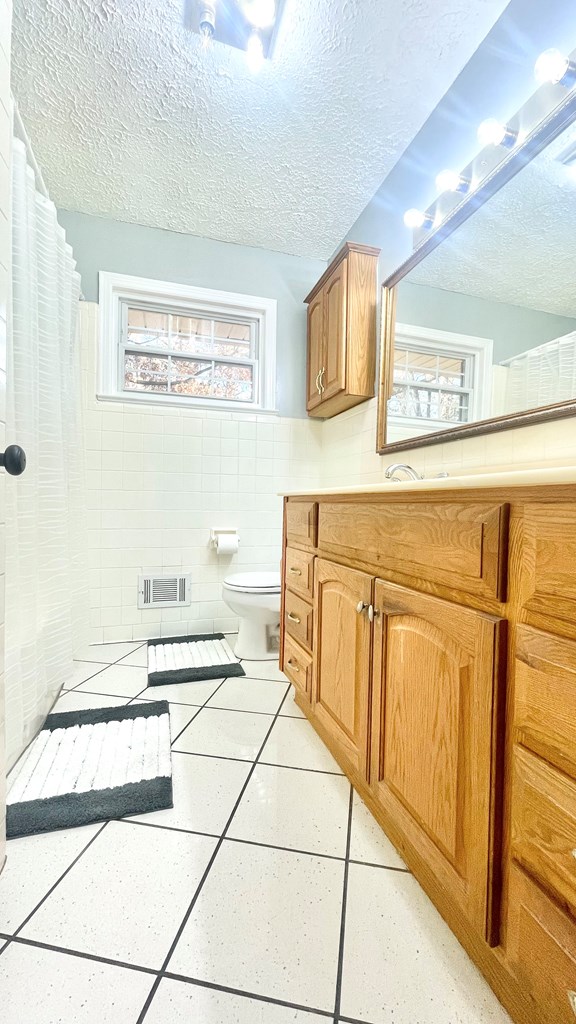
187 659
92 765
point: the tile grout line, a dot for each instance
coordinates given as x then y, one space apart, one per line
57 882
340 970
214 986
198 709
106 665
209 866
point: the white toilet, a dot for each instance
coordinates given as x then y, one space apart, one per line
255 598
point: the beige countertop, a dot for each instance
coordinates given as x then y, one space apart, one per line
494 478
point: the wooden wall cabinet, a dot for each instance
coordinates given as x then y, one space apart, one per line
436 657
341 361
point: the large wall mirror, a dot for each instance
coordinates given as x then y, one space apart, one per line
479 325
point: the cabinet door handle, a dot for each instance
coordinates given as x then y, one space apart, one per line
372 612
360 607
293 618
321 384
295 572
572 1000
293 665
318 388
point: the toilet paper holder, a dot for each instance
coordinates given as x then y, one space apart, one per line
222 531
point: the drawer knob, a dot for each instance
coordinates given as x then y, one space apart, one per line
293 665
293 618
360 607
295 572
572 1000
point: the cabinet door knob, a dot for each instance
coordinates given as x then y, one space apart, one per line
13 460
293 618
360 607
293 665
372 612
572 1000
295 572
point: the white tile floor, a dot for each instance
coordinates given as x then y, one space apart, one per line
267 895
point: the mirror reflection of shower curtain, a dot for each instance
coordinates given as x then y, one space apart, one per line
46 601
542 376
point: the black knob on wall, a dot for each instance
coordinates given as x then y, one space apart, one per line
13 460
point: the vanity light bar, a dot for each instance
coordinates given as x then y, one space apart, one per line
551 68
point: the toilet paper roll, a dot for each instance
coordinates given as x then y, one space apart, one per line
227 543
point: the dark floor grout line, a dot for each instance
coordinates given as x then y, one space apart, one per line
340 971
284 849
57 882
383 867
23 941
257 996
214 757
202 882
298 768
167 828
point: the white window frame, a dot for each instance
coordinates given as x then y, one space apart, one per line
430 339
114 290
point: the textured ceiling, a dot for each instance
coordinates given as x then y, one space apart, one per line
519 247
130 119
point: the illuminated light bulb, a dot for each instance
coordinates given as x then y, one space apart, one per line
254 52
451 181
554 68
260 13
493 133
417 219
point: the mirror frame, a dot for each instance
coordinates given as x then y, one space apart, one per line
561 115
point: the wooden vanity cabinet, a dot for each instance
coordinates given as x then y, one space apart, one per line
441 674
341 360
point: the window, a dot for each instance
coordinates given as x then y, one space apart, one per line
439 377
162 342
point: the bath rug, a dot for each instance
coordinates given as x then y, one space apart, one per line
187 659
92 765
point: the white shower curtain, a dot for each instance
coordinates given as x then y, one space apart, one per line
46 603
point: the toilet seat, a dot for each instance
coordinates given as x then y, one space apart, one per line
253 582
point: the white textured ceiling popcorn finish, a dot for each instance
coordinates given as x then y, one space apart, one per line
131 120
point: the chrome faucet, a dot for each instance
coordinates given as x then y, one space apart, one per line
410 473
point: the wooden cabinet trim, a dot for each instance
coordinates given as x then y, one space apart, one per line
342 254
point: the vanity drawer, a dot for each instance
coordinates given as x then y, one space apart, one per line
301 522
541 950
297 665
299 572
299 619
544 825
459 545
545 697
549 564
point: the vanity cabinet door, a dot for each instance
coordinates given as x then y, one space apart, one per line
434 736
341 676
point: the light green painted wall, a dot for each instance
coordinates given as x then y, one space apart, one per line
513 329
101 244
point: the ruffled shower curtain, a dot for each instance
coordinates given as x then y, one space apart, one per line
46 601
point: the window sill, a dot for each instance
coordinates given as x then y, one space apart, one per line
125 398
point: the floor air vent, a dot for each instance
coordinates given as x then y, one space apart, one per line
163 591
